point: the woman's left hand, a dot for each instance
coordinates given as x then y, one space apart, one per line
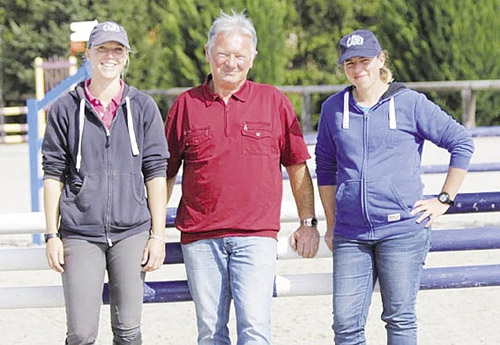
430 209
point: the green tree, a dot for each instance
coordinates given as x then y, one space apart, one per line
33 28
441 40
185 26
269 18
313 38
427 40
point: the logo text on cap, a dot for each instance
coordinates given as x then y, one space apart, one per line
111 27
355 40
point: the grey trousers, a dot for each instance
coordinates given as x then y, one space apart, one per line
83 278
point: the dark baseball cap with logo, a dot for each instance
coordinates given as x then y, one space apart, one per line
360 43
107 32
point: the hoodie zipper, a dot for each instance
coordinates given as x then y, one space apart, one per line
364 198
107 225
110 189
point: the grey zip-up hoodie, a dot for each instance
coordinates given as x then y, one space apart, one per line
104 171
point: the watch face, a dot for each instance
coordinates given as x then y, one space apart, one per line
314 222
443 198
310 222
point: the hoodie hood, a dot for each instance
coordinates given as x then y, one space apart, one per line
394 88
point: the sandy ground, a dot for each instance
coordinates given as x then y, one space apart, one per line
446 317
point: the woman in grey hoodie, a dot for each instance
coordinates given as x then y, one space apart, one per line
104 161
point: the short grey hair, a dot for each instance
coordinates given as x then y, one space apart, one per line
234 22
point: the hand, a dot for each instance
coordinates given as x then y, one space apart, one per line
429 208
154 255
329 238
54 251
305 241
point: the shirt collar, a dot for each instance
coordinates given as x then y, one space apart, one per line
92 99
242 94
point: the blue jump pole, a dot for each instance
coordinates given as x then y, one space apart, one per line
465 239
460 277
432 278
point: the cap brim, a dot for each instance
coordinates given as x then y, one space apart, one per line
122 42
357 53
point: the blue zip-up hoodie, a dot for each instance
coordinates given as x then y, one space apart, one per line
104 171
374 158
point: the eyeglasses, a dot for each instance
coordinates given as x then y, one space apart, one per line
117 51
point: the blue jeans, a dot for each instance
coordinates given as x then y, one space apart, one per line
241 268
396 262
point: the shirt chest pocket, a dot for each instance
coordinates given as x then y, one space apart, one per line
256 138
199 145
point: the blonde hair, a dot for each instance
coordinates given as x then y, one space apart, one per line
385 72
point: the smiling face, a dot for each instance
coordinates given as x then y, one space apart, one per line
231 58
108 60
364 72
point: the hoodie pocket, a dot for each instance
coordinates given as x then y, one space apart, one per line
128 201
83 202
348 204
385 204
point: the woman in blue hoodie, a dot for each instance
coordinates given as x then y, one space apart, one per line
368 159
104 146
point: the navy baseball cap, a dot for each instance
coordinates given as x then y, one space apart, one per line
360 43
106 32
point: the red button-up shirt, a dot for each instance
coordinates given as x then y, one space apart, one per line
232 156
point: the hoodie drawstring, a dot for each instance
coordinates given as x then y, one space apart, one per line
80 131
131 131
392 114
345 115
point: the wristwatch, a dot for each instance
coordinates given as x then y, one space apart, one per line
444 198
310 222
51 235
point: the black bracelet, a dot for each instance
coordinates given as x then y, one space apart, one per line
51 235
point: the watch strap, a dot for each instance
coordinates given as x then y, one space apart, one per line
51 235
310 222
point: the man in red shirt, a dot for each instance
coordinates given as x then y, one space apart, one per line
232 136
